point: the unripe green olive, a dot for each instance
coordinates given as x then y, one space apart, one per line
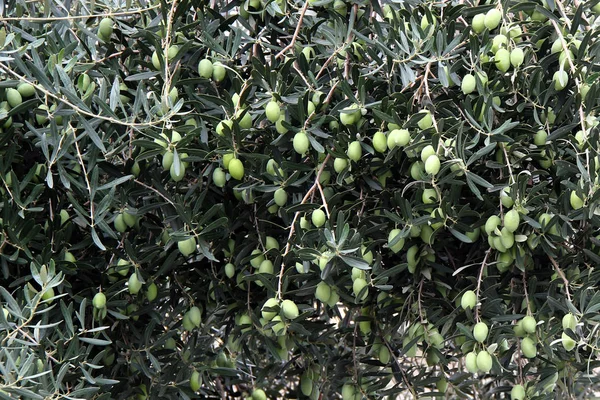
357 288
99 300
517 56
219 177
569 321
119 223
468 300
134 284
426 121
399 244
575 200
468 84
432 165
379 142
492 19
105 28
27 89
517 392
529 324
480 332
152 292
478 23
491 224
195 381
13 97
205 68
219 72
502 60
289 309
301 143
318 218
471 362
354 151
323 292
567 342
272 111
280 196
528 347
187 247
236 169
484 361
560 79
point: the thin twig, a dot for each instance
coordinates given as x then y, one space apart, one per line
288 245
562 275
296 32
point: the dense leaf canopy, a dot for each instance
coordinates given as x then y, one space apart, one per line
322 199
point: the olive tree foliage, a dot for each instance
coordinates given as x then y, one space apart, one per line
296 199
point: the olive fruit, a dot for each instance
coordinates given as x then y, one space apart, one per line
517 392
426 121
468 299
567 342
229 270
468 84
152 292
398 138
205 68
354 151
306 384
480 331
195 316
289 309
492 18
218 72
516 57
491 224
221 126
13 97
236 169
399 244
195 381
528 347
134 284
187 247
569 321
478 23
380 142
300 142
484 361
512 220
429 196
105 29
529 324
560 79
219 177
323 292
502 60
99 300
318 218
27 89
575 200
358 287
280 196
177 171
272 111
432 165
120 224
259 394
350 115
471 362
539 139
